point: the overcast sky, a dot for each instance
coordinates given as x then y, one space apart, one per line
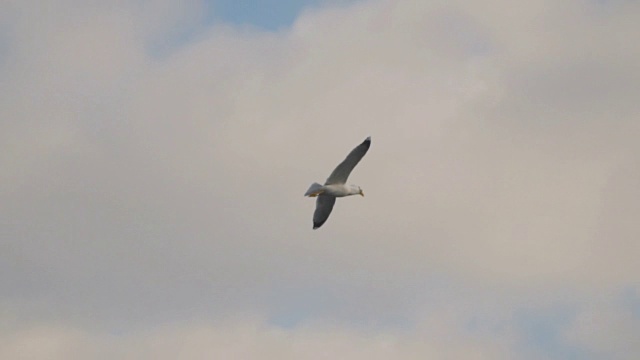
154 154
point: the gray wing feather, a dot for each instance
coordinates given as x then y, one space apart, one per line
342 171
324 205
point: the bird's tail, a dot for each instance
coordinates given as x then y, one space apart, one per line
314 190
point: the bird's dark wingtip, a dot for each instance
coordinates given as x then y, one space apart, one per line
367 142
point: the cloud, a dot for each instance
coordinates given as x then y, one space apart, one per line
251 338
152 166
607 328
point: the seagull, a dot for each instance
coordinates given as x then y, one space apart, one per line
335 185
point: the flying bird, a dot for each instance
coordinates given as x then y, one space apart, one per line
336 186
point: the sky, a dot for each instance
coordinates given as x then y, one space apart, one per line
154 157
265 15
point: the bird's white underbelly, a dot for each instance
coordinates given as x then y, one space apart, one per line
337 190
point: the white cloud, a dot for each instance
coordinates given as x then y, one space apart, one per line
250 339
140 188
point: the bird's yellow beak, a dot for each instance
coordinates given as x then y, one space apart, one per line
361 193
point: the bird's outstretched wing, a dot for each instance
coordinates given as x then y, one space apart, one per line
342 171
324 205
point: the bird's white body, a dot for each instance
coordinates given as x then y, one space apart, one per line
341 190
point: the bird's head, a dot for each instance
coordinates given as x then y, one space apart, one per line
355 190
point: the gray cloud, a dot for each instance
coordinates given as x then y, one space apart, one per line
140 189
